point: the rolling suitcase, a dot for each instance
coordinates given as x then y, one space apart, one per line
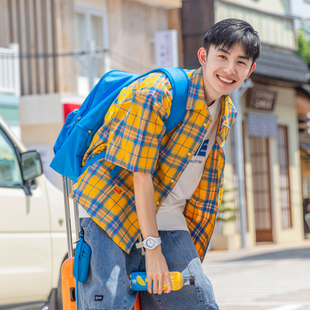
69 292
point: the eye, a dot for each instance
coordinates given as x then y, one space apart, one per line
242 62
222 56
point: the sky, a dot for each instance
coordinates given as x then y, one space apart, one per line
300 8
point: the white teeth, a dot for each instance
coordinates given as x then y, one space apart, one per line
225 80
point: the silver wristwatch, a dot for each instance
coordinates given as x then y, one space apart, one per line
149 243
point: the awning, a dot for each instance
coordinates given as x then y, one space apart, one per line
282 65
69 107
304 90
305 146
302 105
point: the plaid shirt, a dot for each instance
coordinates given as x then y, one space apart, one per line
134 137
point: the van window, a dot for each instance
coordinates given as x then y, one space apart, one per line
10 174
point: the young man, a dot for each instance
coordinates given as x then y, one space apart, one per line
171 184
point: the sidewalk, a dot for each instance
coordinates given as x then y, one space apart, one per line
267 277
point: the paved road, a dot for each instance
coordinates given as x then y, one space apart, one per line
268 277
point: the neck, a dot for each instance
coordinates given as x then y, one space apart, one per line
209 97
210 103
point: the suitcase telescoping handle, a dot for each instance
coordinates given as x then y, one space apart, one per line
67 185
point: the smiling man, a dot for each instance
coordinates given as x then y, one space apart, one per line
171 184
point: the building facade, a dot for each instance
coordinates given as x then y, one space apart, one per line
67 45
271 157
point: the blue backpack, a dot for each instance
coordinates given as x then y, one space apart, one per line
82 124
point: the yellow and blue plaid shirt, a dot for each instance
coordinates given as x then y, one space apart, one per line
134 138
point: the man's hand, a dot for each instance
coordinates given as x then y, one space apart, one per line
157 271
156 266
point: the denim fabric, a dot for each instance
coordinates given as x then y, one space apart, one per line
108 282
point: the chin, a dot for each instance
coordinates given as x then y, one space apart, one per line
224 92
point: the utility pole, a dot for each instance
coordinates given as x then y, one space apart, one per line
239 165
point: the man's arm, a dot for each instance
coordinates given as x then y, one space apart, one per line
156 266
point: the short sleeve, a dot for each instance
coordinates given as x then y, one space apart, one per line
136 133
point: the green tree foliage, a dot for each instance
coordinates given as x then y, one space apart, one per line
227 211
303 39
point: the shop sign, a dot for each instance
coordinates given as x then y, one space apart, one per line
261 98
166 49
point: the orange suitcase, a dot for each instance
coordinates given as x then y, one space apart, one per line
68 285
68 281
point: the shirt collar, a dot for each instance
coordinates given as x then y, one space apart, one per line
196 95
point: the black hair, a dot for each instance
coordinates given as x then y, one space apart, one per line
229 32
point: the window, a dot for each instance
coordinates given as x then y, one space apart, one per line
285 198
10 175
91 33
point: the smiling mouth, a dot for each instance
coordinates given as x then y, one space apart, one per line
226 80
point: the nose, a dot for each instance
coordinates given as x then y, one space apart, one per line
230 68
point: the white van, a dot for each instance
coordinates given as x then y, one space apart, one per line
33 241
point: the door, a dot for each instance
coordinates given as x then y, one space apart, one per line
261 188
25 239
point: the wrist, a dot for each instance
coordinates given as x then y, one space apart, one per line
156 249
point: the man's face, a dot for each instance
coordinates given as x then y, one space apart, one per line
224 70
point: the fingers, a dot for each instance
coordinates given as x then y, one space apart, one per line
149 283
167 281
159 284
155 283
157 271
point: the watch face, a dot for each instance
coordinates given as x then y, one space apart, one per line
150 243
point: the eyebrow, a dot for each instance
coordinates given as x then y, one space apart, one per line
226 52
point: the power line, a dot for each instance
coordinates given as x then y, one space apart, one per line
53 55
98 52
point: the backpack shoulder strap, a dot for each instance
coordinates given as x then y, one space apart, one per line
180 85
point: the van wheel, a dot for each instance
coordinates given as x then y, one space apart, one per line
59 295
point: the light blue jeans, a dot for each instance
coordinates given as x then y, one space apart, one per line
108 283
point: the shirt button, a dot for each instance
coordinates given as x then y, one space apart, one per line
171 181
204 124
189 154
157 202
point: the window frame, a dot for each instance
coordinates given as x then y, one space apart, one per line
17 153
105 28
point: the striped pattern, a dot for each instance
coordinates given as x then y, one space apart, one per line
134 138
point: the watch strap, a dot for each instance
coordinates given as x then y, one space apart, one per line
143 243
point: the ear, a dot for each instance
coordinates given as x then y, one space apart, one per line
202 56
251 70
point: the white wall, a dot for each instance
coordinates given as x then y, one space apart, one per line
272 6
41 118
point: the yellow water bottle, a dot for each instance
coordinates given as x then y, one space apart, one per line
138 281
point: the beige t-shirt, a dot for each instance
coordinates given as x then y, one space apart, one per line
170 215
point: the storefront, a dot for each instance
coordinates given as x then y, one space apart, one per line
272 174
303 111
